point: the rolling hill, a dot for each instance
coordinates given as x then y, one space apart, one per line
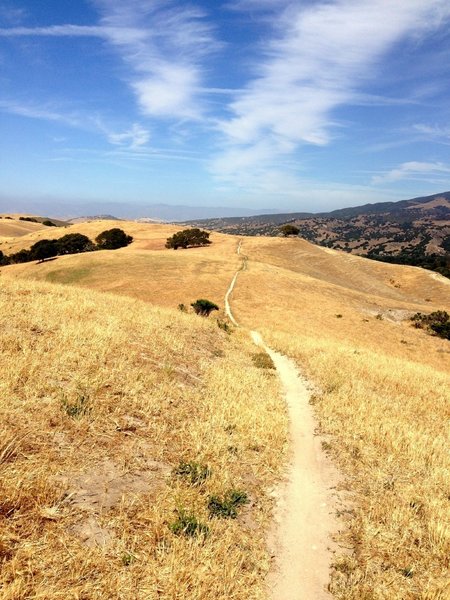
105 375
415 232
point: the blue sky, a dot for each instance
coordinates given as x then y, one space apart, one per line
295 105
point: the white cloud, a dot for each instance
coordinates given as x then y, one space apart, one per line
165 52
136 137
433 132
413 170
163 44
320 57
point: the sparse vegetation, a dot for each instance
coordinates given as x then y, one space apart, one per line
188 524
226 507
263 361
193 471
204 307
437 322
157 392
188 238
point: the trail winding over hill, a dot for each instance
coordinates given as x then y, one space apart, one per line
303 521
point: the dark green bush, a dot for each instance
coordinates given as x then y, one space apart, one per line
113 239
49 223
204 307
288 230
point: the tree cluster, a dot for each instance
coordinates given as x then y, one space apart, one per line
72 243
188 238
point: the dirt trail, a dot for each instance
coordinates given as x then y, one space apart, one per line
304 520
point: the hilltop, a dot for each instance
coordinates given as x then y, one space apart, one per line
193 393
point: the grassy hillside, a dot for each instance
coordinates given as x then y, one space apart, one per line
381 395
144 270
382 391
103 399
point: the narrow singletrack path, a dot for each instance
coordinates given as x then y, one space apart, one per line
304 518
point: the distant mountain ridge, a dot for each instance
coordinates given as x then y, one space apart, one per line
415 231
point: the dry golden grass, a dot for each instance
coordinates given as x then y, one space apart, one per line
382 401
144 270
13 228
109 394
382 398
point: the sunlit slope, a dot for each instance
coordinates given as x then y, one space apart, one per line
102 398
145 269
12 228
382 395
147 236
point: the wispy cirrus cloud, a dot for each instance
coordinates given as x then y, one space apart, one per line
163 44
320 57
413 170
434 133
165 53
134 138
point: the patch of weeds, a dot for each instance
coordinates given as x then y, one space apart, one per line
233 449
379 317
224 326
262 360
187 524
231 428
182 308
76 408
408 572
128 558
195 472
326 446
338 316
226 507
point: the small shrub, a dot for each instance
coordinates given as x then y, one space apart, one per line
182 308
76 408
339 316
226 507
204 307
224 326
263 361
49 223
188 525
193 471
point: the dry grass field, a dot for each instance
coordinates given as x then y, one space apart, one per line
382 392
103 400
382 398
